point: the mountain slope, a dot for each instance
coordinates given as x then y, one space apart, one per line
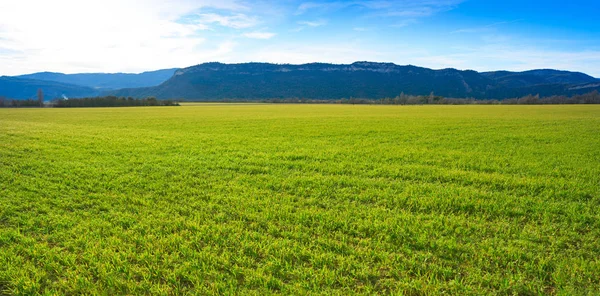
18 88
213 81
106 81
317 81
538 77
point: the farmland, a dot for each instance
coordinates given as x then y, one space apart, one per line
300 199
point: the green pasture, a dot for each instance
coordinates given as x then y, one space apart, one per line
300 199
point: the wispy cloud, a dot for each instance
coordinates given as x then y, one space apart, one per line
309 24
403 23
323 6
236 21
485 28
316 23
405 8
259 35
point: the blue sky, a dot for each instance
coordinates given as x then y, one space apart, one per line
132 36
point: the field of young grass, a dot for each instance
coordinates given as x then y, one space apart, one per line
300 199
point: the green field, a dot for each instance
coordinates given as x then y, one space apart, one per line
300 199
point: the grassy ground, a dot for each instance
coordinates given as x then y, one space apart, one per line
300 199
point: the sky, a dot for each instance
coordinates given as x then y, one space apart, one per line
132 36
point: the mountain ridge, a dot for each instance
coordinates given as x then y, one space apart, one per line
106 81
214 80
255 80
20 88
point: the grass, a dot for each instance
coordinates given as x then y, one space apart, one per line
300 199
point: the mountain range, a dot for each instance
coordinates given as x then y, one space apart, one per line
57 85
213 81
216 81
105 81
19 88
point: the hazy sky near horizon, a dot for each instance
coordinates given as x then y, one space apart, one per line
75 36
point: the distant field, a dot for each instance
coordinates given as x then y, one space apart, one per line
300 199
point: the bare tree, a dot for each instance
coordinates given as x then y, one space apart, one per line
40 96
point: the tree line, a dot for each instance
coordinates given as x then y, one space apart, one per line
112 101
4 102
108 101
402 99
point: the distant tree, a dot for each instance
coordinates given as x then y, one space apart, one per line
403 99
590 98
40 97
529 100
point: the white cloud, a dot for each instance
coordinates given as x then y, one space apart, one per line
309 24
259 35
404 8
236 21
323 6
316 23
105 36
